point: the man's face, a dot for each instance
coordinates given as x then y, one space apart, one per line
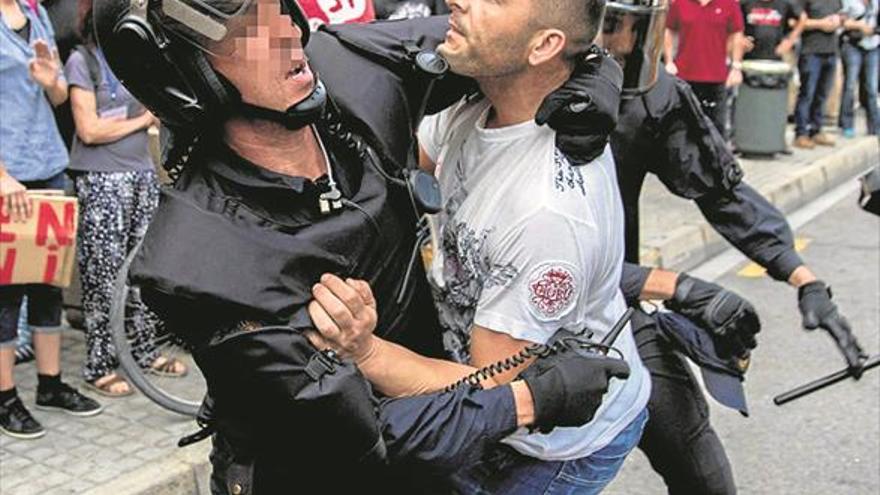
266 60
488 38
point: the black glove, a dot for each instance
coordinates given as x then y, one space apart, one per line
567 388
731 319
583 112
814 301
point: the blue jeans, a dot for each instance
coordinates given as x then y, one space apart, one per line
859 67
817 78
508 472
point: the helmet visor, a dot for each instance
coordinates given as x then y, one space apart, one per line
213 25
634 36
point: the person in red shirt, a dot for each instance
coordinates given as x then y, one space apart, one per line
705 31
322 12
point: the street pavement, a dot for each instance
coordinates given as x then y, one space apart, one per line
827 443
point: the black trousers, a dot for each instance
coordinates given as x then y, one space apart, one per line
713 99
679 441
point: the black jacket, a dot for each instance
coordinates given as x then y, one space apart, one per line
664 132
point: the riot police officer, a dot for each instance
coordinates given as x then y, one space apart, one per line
662 130
290 164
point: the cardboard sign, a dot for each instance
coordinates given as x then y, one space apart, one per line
43 249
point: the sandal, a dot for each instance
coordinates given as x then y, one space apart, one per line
168 367
107 388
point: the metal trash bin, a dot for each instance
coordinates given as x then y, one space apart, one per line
761 107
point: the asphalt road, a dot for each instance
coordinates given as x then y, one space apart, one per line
827 443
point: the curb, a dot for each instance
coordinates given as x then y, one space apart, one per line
186 471
689 245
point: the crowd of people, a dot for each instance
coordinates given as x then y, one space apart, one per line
707 42
544 119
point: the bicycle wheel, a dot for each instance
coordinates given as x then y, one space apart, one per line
182 395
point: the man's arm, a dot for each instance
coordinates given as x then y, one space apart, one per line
669 51
736 42
796 24
564 389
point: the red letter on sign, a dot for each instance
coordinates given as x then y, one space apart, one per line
5 219
63 234
6 267
51 267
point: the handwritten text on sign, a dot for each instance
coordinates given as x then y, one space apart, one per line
41 249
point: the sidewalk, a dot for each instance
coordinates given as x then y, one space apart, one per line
675 235
130 448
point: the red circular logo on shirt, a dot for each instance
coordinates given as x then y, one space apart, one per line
551 290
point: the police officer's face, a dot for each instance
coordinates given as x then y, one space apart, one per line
618 36
488 38
266 60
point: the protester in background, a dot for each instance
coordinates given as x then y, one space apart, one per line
772 28
32 155
62 14
860 55
118 191
407 9
703 30
816 66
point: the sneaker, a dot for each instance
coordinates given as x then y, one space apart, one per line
16 421
849 133
823 139
804 142
68 399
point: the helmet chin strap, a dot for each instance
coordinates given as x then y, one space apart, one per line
299 115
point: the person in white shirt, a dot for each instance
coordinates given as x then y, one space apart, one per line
527 243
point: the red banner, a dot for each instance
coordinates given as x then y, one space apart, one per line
337 11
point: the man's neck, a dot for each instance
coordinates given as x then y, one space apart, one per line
516 98
271 146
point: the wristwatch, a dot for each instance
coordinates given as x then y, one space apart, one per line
736 65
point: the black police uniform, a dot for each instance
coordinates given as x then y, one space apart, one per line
234 246
664 132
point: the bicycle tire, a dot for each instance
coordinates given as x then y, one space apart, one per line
126 358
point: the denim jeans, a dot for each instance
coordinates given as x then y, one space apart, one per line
817 78
508 472
859 67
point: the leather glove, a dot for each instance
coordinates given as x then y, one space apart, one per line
583 112
819 311
732 320
567 388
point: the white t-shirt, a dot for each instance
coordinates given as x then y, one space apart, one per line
529 244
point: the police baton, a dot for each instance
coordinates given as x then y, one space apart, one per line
825 381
